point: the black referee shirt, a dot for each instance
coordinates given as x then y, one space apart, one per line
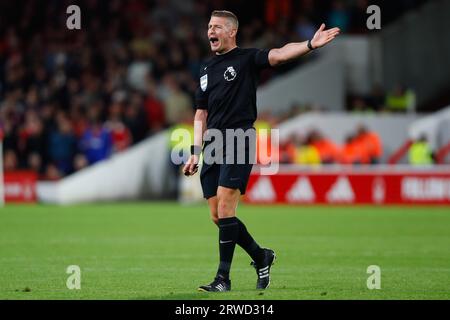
228 88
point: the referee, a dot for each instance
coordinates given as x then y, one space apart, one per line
226 99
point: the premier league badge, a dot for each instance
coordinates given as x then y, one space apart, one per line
230 74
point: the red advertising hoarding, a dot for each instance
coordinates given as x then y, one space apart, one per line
383 185
20 186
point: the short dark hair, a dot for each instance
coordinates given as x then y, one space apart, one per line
226 14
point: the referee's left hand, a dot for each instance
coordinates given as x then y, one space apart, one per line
322 36
191 166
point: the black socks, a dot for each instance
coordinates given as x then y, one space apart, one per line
228 235
246 241
232 231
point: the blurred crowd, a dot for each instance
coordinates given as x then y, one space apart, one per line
71 98
361 147
399 99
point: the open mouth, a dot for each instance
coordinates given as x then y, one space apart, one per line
214 40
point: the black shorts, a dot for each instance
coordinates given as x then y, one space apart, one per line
230 175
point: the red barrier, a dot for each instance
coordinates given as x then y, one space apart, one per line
20 186
351 186
442 153
397 155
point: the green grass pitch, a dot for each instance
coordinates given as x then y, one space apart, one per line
165 250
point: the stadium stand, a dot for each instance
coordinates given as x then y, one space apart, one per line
74 100
128 73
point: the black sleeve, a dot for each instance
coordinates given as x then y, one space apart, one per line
201 99
201 96
261 58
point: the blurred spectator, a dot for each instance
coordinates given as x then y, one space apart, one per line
377 98
339 16
135 118
194 60
400 100
360 106
359 16
276 10
288 150
138 70
62 145
80 162
34 162
52 173
78 120
181 137
420 152
351 152
10 162
305 28
154 109
9 132
370 145
177 102
306 153
31 138
96 142
329 152
120 135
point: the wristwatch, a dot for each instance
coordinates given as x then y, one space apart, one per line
196 150
310 45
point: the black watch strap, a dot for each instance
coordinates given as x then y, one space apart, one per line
310 45
196 150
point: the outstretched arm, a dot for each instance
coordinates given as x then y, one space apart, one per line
295 50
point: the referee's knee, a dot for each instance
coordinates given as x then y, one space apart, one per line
226 207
